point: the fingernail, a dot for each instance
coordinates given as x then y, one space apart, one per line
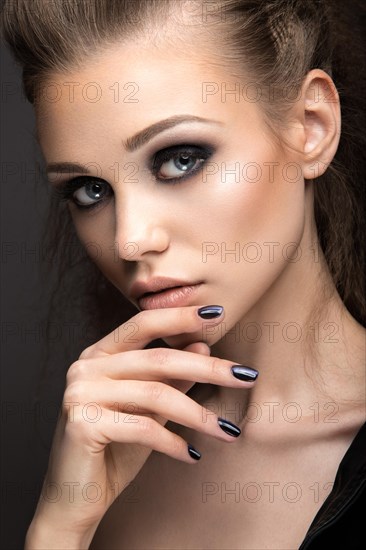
193 453
244 373
229 427
210 312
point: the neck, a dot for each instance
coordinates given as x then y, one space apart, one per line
299 336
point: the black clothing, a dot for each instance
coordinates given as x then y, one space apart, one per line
341 521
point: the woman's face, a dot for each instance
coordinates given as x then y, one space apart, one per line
235 209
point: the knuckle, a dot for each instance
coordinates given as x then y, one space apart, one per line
81 422
145 425
158 356
75 393
153 390
142 318
185 317
182 315
216 367
77 370
176 445
206 414
87 353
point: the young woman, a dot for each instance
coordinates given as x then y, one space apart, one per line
199 147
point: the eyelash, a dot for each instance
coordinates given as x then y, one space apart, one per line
66 190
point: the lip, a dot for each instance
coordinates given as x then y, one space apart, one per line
170 297
157 284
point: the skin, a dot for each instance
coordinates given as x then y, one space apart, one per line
170 224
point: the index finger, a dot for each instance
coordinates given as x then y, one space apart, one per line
150 325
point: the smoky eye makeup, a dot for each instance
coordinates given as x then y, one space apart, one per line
179 162
168 166
85 192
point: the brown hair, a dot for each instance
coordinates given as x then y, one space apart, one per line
275 41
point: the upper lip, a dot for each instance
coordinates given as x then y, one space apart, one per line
139 288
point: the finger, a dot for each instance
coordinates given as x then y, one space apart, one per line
150 325
137 397
185 385
146 431
161 364
122 428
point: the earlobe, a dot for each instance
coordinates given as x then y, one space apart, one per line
322 122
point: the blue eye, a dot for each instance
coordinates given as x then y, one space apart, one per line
84 191
179 162
168 165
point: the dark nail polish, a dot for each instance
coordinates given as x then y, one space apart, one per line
193 453
210 312
229 427
244 373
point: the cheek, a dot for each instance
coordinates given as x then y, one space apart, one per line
96 234
251 233
251 202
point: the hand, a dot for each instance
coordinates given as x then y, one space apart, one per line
118 398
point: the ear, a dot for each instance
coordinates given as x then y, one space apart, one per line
321 120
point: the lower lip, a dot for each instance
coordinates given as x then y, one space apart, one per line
174 297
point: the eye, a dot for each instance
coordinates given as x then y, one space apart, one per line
89 193
179 162
84 192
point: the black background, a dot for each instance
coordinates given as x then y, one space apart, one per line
26 425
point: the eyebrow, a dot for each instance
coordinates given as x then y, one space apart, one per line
134 142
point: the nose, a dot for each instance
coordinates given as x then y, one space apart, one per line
140 228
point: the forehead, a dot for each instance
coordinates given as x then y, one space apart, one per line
130 86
